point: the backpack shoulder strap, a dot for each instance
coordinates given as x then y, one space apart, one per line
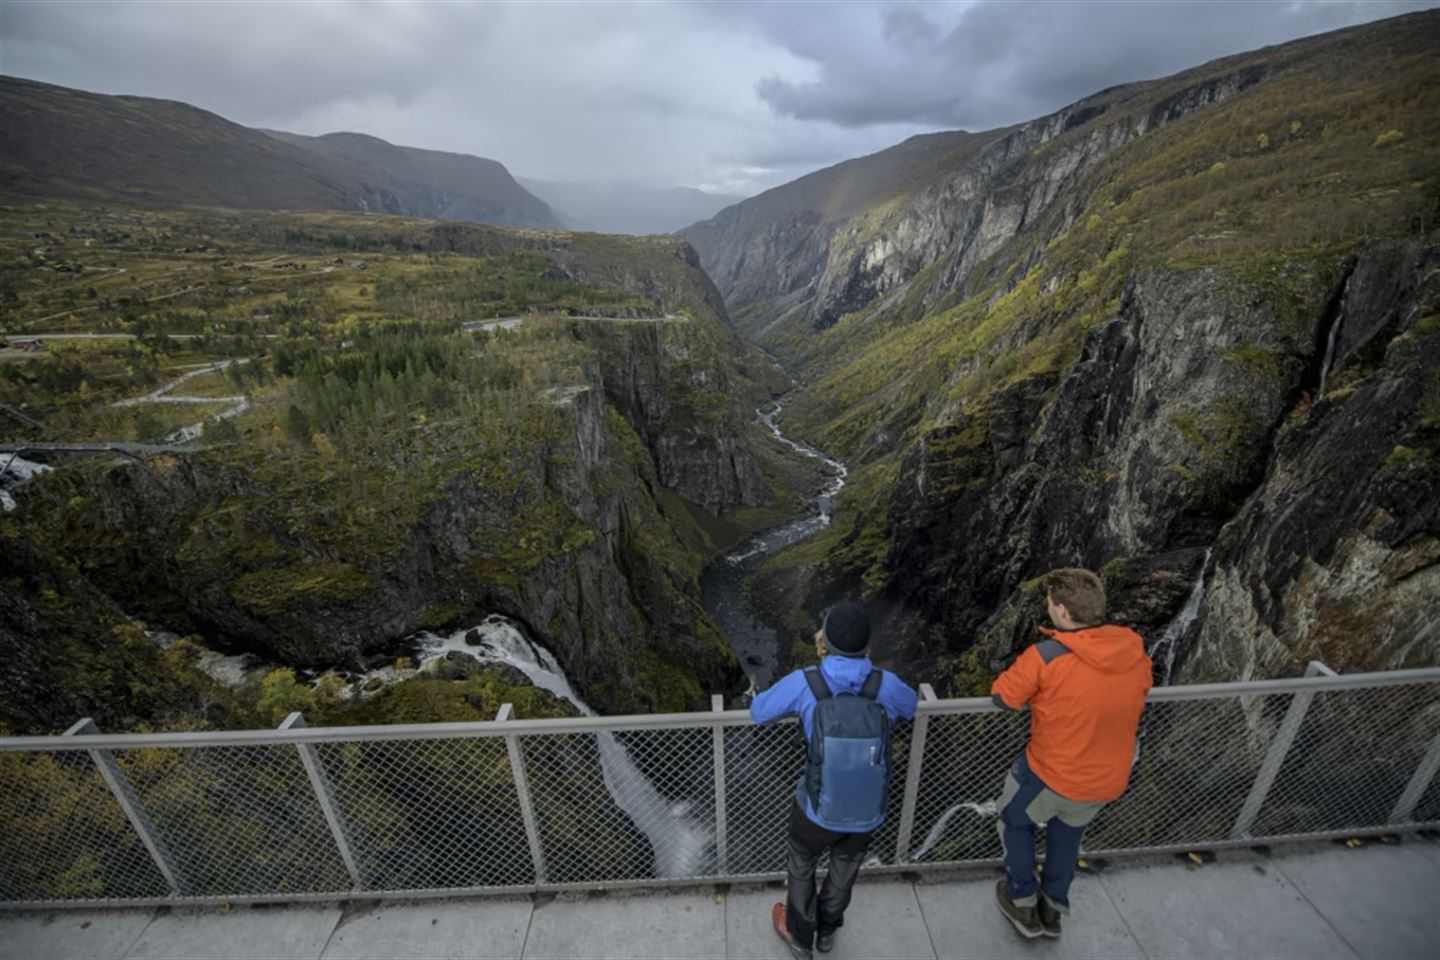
871 688
818 686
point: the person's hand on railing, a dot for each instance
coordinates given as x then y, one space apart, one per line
743 701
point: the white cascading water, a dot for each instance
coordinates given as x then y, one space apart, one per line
1169 641
937 832
16 471
678 842
1330 340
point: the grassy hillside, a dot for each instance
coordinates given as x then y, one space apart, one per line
391 470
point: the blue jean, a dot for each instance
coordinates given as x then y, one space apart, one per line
1026 804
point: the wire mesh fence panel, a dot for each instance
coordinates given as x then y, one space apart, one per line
630 805
966 756
674 803
882 843
235 820
430 814
421 813
1197 762
1428 809
63 836
1351 760
762 766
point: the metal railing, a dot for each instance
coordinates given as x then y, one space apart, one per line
510 805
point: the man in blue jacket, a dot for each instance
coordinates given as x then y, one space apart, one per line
844 680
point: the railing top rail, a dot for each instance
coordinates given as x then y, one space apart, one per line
491 728
1234 688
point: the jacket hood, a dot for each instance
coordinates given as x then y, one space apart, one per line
1108 648
846 673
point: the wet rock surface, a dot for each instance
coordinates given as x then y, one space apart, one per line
1185 424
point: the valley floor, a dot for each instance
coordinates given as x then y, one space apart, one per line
1318 900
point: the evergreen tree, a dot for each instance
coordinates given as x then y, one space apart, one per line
297 425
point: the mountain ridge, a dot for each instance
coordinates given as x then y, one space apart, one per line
68 143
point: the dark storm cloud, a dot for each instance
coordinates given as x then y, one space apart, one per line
992 63
263 58
732 96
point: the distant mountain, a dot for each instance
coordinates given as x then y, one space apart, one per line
625 208
428 183
69 143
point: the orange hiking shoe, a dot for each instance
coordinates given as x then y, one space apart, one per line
777 919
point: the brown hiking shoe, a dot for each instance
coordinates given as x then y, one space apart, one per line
1025 919
1049 916
782 929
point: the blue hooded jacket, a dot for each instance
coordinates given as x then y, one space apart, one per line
790 696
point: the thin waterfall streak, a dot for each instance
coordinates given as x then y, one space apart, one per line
678 842
1175 630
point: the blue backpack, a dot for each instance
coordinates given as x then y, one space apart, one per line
847 766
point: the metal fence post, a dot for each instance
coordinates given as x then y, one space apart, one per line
1415 789
912 776
1275 756
134 808
320 783
717 705
522 792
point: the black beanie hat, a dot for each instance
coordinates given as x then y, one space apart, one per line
847 629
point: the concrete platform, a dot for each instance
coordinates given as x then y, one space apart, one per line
1380 901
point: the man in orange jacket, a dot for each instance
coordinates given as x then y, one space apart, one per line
1085 687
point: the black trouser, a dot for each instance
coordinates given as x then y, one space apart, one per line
808 840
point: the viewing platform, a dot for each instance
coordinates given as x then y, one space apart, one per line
664 835
1315 900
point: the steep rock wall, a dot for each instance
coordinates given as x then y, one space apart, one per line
1190 421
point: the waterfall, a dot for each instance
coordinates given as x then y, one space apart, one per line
1329 356
15 472
1174 632
1332 337
937 832
678 842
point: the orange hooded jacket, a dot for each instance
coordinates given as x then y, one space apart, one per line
1086 689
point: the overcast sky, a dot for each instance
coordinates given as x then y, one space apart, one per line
732 97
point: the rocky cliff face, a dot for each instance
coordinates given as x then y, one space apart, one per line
681 403
1190 421
1336 556
1119 337
993 186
